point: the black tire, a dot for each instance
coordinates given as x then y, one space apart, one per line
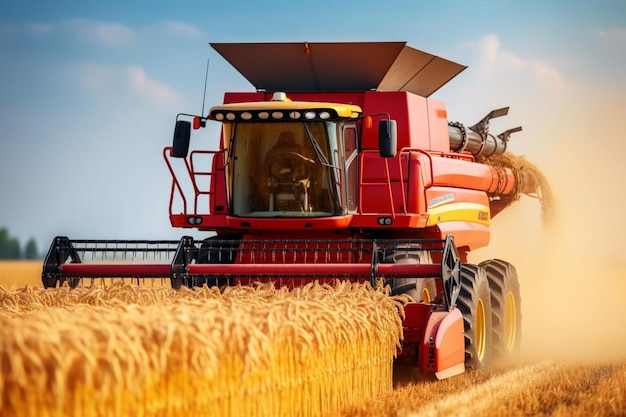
226 253
419 289
506 303
474 302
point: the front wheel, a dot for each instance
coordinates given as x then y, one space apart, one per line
419 289
474 302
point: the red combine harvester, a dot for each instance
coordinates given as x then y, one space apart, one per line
339 166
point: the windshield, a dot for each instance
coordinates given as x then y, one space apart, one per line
285 170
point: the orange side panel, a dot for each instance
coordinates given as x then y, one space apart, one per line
466 234
443 348
466 174
459 173
450 346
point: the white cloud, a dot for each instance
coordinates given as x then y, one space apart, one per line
111 83
152 90
112 35
184 29
493 59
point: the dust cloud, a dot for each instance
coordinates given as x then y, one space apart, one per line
571 271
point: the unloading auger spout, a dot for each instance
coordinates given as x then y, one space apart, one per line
477 140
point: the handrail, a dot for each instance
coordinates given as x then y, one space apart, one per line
387 180
193 173
167 153
430 166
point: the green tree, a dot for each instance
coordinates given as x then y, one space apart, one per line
9 246
30 250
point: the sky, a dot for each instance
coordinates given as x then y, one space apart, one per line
89 91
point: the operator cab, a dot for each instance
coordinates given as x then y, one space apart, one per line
288 159
285 169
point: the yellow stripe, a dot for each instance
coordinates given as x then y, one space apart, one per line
469 212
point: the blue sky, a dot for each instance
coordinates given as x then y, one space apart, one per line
89 92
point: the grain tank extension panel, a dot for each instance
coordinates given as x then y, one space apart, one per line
331 66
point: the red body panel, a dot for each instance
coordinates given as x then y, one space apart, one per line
438 126
410 112
402 188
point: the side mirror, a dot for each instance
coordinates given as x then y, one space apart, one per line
182 134
387 138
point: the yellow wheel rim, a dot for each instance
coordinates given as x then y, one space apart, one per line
510 321
481 330
426 295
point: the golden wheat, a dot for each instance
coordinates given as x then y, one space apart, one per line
545 388
134 351
16 274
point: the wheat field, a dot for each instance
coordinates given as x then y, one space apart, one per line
127 350
17 274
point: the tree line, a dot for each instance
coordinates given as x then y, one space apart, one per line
10 247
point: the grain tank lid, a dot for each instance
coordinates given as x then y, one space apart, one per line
346 66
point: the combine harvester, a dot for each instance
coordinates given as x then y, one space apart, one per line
339 166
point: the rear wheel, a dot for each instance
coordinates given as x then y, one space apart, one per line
474 302
419 289
506 303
